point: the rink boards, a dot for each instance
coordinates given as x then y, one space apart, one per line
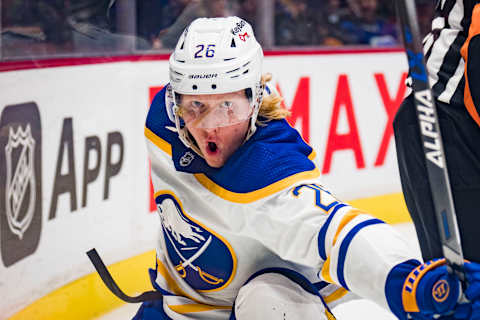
75 171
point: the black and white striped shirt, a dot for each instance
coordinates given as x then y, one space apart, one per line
442 49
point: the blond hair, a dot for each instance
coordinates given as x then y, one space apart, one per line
271 107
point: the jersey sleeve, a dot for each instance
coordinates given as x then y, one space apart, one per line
359 252
350 248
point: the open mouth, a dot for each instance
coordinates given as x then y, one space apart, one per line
212 147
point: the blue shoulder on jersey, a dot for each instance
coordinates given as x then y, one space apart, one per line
276 151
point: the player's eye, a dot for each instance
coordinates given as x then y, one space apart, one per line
197 104
227 104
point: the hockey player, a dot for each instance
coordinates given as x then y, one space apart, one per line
452 55
247 229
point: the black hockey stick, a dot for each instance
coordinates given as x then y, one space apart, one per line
112 285
431 138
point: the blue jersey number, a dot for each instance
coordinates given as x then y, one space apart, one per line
209 51
323 198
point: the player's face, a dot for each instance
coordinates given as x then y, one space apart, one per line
218 123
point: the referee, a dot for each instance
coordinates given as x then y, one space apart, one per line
452 55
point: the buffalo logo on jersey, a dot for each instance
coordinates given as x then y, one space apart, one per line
201 258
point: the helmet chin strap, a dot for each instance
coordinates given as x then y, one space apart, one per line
253 120
185 136
193 144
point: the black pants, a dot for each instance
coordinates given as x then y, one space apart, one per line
461 138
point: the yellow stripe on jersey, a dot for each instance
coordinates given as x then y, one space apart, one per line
252 196
172 285
326 271
347 217
335 295
189 308
159 142
329 315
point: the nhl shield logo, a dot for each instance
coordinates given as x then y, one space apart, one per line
20 176
187 159
19 179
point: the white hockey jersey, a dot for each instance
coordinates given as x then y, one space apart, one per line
265 208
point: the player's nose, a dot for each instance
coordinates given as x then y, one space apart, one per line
210 132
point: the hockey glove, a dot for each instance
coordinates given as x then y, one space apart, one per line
430 292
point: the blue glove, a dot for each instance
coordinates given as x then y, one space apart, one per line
471 309
430 292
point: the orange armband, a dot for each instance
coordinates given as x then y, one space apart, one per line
470 52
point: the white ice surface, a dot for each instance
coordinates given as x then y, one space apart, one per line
353 310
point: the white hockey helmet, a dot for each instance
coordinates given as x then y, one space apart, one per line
214 56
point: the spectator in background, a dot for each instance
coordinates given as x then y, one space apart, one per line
34 29
294 23
368 27
328 21
425 11
94 30
93 12
168 37
157 15
47 28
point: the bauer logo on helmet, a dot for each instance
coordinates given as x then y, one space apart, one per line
203 76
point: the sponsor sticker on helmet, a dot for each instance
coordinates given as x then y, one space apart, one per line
238 27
